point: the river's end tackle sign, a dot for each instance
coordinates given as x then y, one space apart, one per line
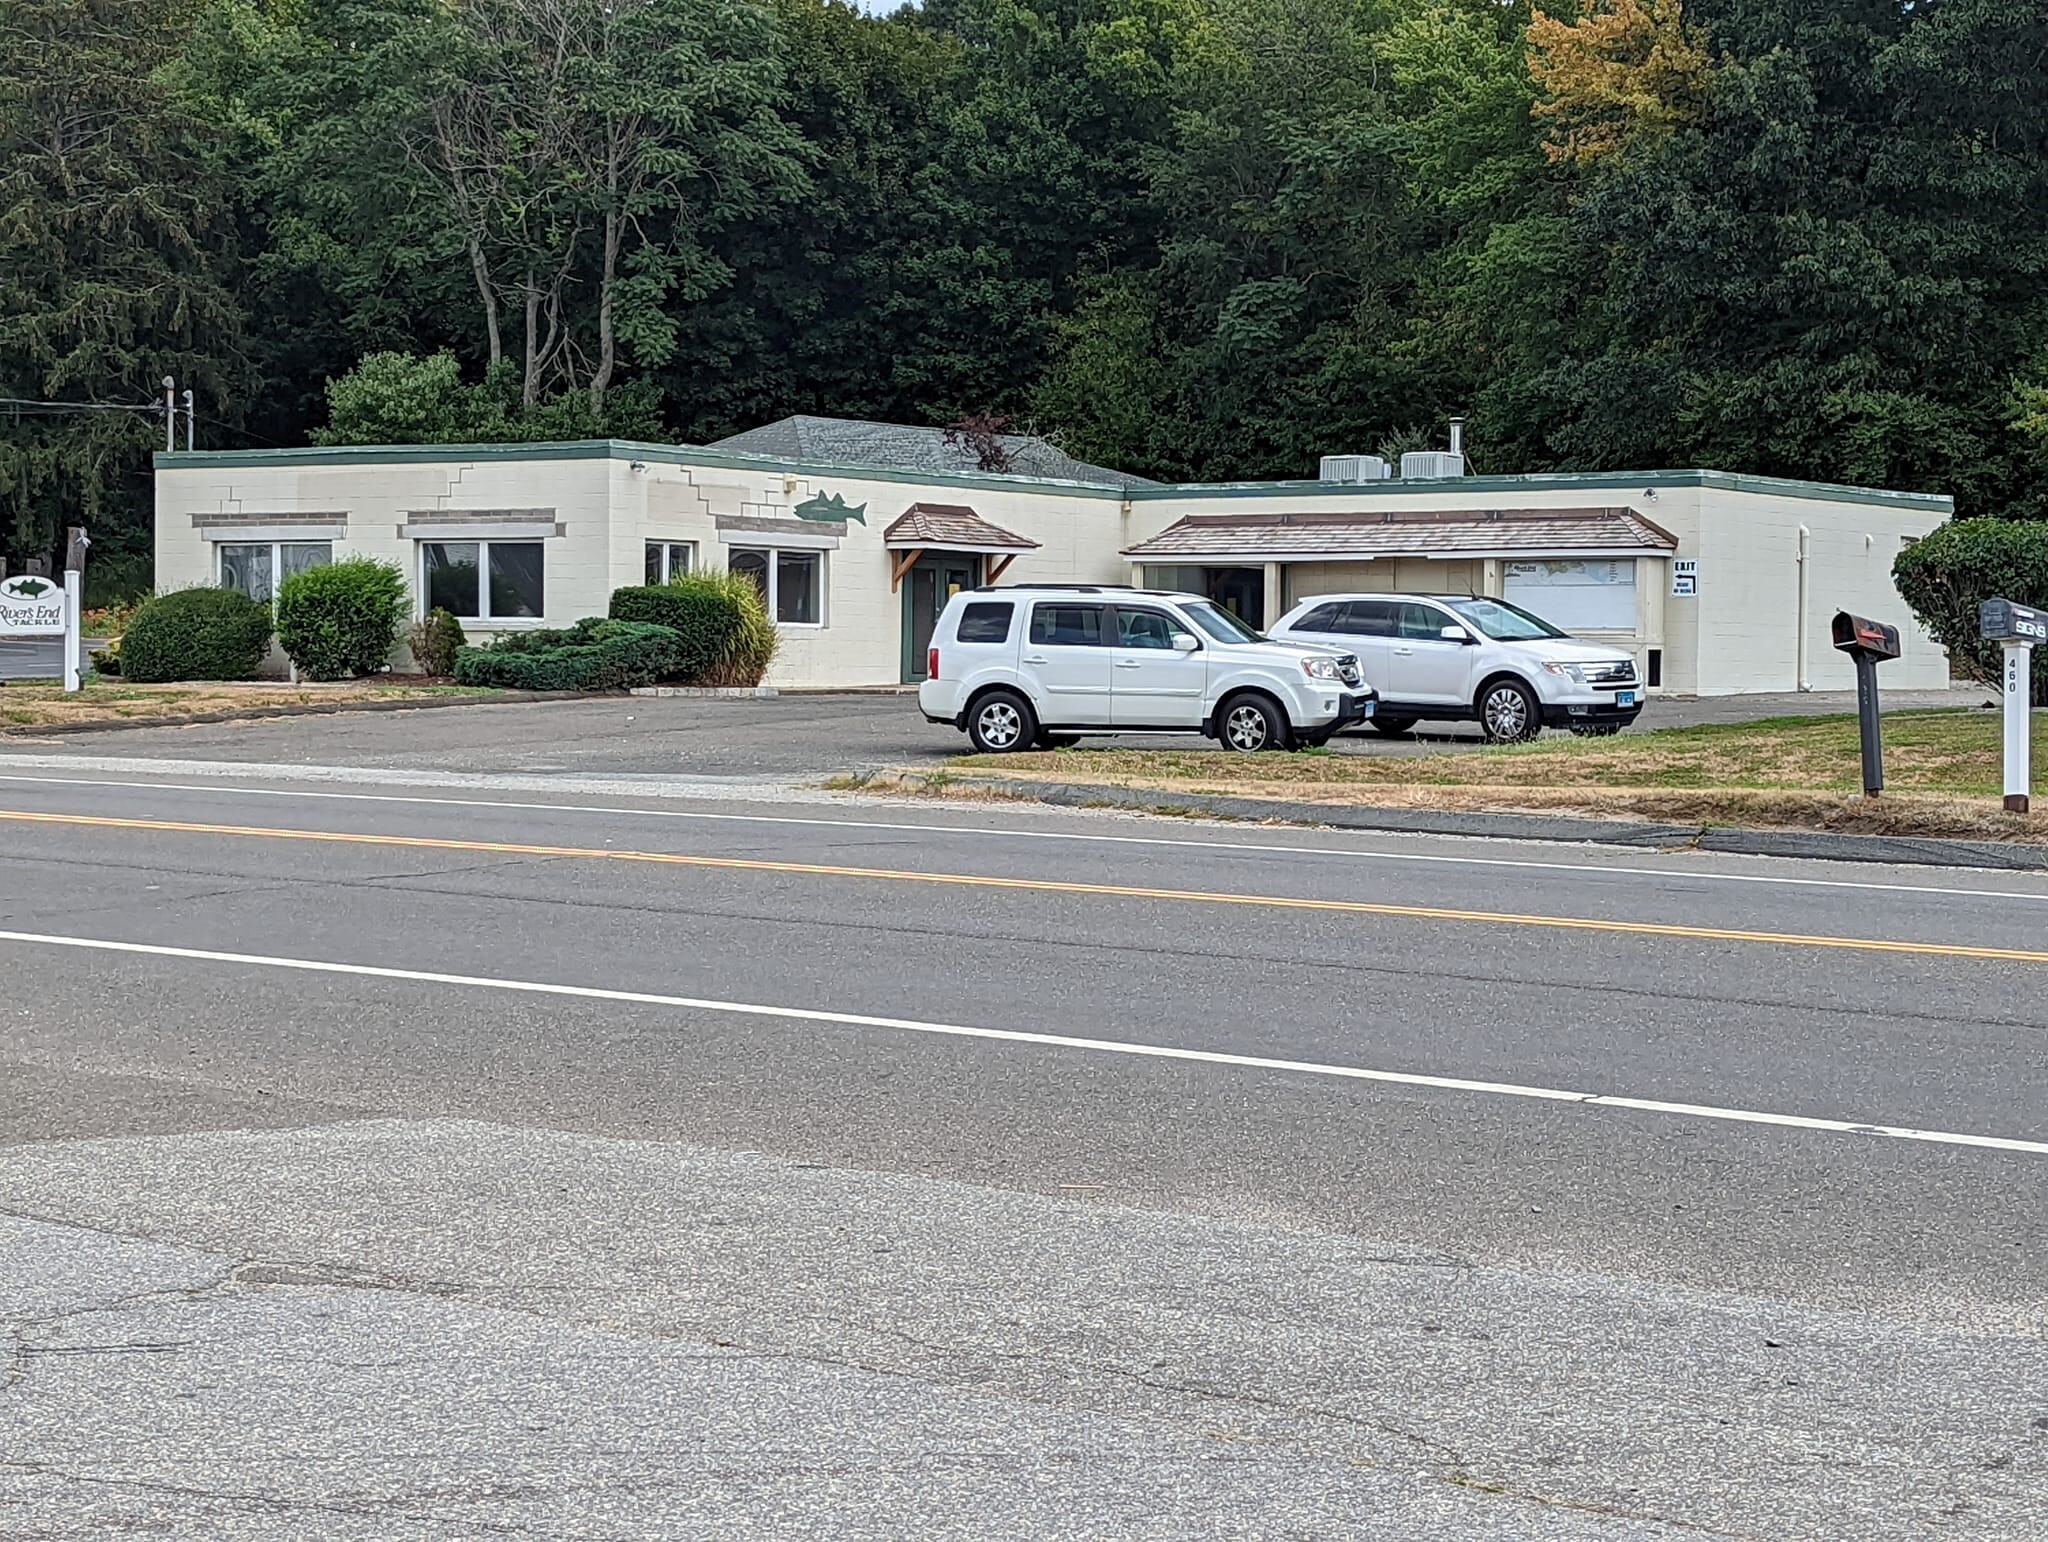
31 607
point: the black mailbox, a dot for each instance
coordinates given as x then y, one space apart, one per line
1858 636
1869 643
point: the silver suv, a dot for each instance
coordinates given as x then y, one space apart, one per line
1041 666
1476 659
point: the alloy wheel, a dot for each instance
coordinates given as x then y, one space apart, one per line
1506 713
1000 725
1245 728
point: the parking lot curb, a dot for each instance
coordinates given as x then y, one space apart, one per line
1813 845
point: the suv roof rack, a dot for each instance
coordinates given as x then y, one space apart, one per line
1064 588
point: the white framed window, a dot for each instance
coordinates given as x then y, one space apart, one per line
670 559
792 582
256 568
1579 596
485 580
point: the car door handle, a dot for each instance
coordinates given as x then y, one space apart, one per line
1036 658
1130 663
1404 653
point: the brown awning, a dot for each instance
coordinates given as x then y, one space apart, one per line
951 527
1518 533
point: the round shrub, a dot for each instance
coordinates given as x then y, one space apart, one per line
196 634
1948 574
724 634
342 618
435 642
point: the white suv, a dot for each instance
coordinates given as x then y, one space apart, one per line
1038 667
1463 658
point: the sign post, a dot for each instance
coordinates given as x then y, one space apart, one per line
2016 629
1869 643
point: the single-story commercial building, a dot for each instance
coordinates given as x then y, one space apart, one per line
858 532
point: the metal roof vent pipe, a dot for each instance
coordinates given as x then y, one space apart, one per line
1435 465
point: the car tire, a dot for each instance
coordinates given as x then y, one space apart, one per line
1596 730
1046 741
1391 726
1508 713
1248 724
1000 723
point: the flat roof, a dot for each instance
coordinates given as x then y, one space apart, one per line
692 455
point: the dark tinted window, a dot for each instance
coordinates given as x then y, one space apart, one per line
1326 618
1145 629
1067 626
985 623
1372 618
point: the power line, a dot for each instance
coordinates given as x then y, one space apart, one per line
22 406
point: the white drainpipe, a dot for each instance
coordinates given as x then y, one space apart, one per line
1804 536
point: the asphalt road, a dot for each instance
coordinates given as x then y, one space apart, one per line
681 1165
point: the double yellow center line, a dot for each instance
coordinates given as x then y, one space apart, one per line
1035 886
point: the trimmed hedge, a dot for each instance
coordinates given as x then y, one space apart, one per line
1948 574
594 655
342 618
720 620
196 634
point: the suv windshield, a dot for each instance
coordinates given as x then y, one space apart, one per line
1218 623
1504 622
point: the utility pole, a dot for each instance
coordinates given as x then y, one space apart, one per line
188 417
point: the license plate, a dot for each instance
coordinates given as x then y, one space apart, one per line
1624 698
1366 709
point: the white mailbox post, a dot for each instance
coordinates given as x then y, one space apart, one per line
2016 629
34 606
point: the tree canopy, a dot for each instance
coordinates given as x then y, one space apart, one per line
1193 238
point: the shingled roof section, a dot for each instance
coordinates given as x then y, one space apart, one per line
911 447
1444 533
951 527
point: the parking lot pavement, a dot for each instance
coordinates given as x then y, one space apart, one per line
23 658
780 739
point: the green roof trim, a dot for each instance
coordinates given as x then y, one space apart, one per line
686 455
1566 481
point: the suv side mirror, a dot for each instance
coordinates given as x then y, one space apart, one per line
1185 642
1456 634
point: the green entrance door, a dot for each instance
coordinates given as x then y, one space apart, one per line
930 582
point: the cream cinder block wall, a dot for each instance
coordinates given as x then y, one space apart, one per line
371 501
860 642
1746 619
1739 634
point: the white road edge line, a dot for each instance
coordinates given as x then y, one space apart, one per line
985 833
1047 1040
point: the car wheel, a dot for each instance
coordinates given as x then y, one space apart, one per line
1046 741
1596 730
1251 724
1507 712
1392 725
1001 722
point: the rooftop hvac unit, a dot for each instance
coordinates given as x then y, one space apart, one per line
1355 468
1426 465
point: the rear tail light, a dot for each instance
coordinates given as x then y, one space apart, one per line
931 665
